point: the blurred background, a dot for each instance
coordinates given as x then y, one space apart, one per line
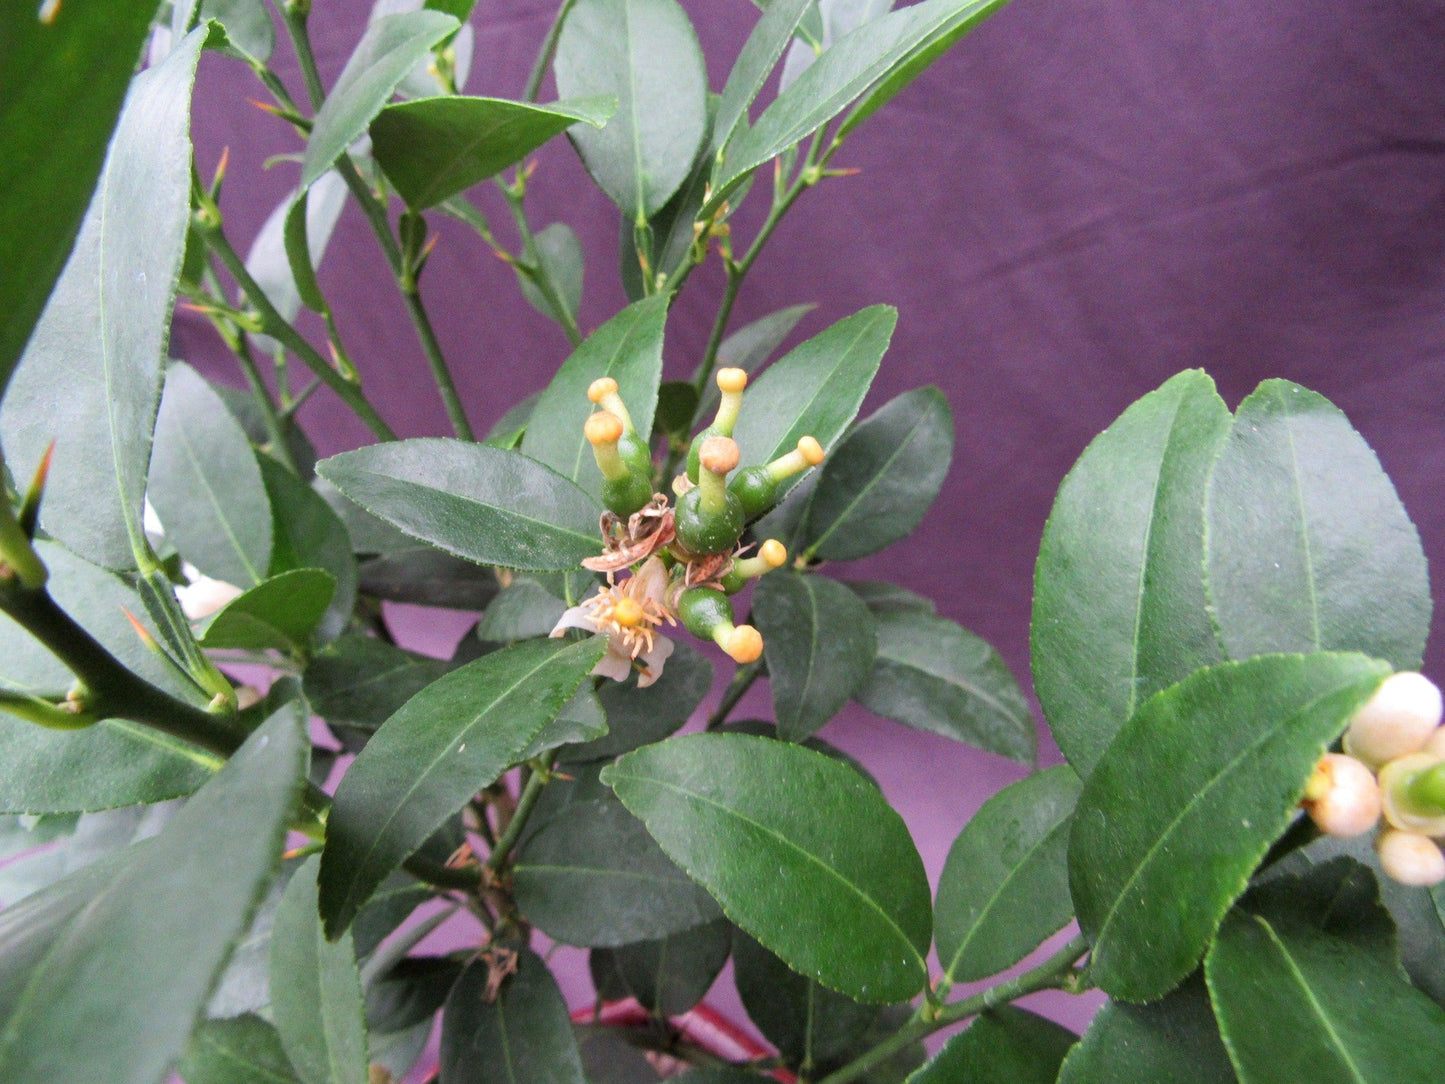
1080 199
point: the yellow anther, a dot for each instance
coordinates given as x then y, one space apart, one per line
732 381
627 612
601 388
744 644
719 455
603 428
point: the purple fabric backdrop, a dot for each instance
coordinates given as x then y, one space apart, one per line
1081 199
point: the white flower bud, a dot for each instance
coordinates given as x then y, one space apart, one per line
1342 797
1436 745
1395 778
1398 719
1410 858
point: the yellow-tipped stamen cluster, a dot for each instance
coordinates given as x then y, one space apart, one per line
1392 770
633 621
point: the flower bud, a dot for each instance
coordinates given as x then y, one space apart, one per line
757 487
1412 793
1398 719
1436 745
1410 858
624 489
1342 797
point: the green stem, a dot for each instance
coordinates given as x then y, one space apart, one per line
1050 974
110 689
544 54
279 328
440 372
536 783
742 681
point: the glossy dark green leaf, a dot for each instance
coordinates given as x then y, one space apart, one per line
816 388
106 986
932 674
1119 607
760 54
592 876
1005 885
1308 546
802 1019
306 533
627 348
670 975
883 54
749 347
560 254
1006 1045
359 681
881 597
90 837
819 644
883 476
1186 801
821 27
768 828
278 614
608 1057
522 610
61 90
580 720
245 985
389 49
1315 960
1170 1041
433 148
426 576
521 1037
638 716
643 53
241 1050
484 504
445 744
206 485
296 239
315 990
90 378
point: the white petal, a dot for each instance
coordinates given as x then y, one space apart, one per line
575 618
652 661
613 665
204 596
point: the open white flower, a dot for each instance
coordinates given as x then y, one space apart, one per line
202 596
629 614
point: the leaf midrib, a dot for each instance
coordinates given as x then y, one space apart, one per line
915 663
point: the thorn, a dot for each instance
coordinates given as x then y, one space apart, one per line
267 107
426 248
30 506
848 171
141 631
220 174
529 169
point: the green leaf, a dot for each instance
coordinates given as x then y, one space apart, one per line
827 23
627 348
205 484
1005 885
387 52
931 674
560 254
763 824
816 388
90 838
819 645
315 990
1006 1045
884 53
748 347
245 985
90 378
1308 546
670 975
643 53
268 261
522 610
592 876
297 242
359 681
1119 606
401 1006
434 148
247 23
279 614
520 1037
446 743
802 1019
425 576
61 90
103 974
1170 1041
637 717
1304 963
882 598
881 479
306 533
760 54
241 1050
487 505
1186 801
609 1057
